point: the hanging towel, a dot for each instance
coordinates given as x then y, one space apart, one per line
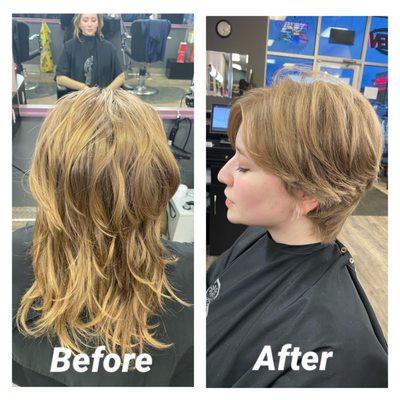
46 57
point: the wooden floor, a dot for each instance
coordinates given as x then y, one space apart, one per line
366 238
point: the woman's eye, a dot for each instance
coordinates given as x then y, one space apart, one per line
240 169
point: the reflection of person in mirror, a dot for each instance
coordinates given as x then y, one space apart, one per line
285 307
93 275
88 59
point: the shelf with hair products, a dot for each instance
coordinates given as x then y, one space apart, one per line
220 232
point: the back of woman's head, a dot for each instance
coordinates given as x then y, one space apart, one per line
102 175
319 135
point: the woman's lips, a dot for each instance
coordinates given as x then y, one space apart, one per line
228 202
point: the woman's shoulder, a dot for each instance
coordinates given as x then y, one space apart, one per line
71 43
22 272
21 245
336 301
338 315
332 304
181 249
180 272
331 316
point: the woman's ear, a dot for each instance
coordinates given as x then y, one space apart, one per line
308 203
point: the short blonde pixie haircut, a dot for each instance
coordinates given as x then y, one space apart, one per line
319 135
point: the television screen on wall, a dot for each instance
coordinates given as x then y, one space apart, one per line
342 36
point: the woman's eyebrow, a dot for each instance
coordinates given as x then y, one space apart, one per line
241 152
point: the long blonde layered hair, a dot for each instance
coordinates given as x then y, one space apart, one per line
319 135
102 175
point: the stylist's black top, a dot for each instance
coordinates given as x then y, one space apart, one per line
262 293
89 60
171 367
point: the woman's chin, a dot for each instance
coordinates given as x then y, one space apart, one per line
232 217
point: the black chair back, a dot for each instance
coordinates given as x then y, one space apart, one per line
20 41
149 39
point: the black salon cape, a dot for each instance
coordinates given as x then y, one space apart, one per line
171 367
264 293
106 66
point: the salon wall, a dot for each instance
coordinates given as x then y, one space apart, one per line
249 36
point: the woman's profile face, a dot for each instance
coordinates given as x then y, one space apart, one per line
254 196
88 24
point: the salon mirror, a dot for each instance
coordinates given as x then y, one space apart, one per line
171 76
228 74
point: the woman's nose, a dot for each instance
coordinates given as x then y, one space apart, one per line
225 174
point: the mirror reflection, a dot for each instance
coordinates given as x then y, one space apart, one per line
148 54
228 74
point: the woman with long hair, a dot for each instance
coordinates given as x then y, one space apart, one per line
88 59
94 271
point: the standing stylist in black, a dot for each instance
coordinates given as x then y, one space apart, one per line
88 59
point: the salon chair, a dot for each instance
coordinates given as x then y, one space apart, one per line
148 43
21 44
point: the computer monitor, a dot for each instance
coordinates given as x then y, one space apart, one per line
219 119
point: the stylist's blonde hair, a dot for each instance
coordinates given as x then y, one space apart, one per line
319 135
77 30
102 175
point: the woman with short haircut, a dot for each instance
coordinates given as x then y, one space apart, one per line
88 59
94 271
307 149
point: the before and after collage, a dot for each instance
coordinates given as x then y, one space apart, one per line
114 205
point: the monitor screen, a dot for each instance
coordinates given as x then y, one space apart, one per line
341 36
219 118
